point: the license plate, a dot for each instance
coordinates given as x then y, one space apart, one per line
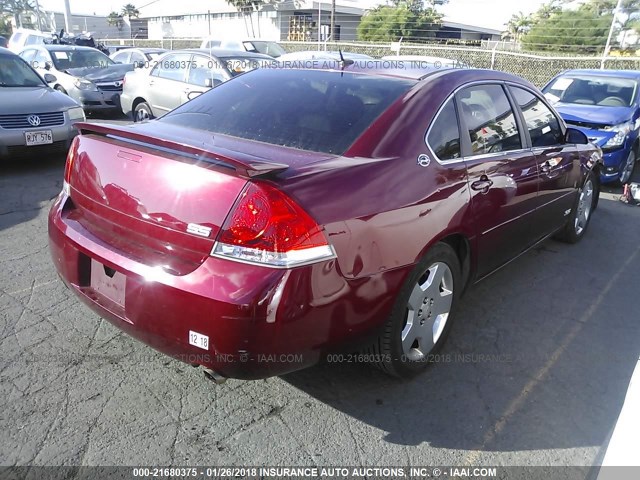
108 283
199 340
41 137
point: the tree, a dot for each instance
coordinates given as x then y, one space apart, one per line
5 27
247 7
130 11
115 20
15 8
578 31
518 25
407 20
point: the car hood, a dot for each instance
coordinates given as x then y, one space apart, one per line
33 99
593 114
111 73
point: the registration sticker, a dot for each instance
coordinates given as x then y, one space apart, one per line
198 340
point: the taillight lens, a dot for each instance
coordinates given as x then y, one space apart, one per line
68 167
269 228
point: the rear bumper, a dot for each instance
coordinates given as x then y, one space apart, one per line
260 321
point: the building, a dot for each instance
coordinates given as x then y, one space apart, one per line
288 20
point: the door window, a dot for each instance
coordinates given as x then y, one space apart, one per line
444 135
544 127
489 119
173 67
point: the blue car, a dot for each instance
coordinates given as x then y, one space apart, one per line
605 105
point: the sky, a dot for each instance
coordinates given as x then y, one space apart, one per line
481 13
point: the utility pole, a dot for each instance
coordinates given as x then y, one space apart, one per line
67 16
607 47
333 20
38 16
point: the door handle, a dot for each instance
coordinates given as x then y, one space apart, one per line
482 185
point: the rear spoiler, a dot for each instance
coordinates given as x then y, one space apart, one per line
248 168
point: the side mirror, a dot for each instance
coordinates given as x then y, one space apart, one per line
48 65
49 78
208 82
573 135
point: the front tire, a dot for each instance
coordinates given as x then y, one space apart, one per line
584 206
422 315
142 112
627 168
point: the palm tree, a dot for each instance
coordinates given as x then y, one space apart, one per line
518 25
130 11
115 20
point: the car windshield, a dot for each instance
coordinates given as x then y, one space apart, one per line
14 72
312 110
597 90
65 59
268 48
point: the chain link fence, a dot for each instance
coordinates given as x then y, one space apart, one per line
538 69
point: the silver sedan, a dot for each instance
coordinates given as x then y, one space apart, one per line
34 117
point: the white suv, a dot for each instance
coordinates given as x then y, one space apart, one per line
254 45
23 37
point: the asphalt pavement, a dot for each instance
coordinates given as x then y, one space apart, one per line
535 371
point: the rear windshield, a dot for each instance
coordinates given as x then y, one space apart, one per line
312 110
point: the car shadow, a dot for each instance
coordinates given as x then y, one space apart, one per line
539 358
27 185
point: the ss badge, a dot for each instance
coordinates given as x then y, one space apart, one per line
198 230
423 160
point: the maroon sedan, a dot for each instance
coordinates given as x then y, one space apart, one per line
289 214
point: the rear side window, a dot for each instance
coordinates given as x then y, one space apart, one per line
542 124
489 119
315 110
444 135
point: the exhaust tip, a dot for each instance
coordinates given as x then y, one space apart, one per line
214 376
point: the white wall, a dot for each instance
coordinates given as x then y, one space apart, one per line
227 25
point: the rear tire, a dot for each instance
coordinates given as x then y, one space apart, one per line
422 315
583 207
142 112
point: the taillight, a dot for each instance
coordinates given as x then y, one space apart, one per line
267 227
66 183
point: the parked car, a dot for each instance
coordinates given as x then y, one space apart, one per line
116 48
605 105
33 116
254 45
321 55
84 73
139 57
290 213
24 37
425 61
179 76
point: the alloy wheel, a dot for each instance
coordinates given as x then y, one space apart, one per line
585 203
627 169
428 310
